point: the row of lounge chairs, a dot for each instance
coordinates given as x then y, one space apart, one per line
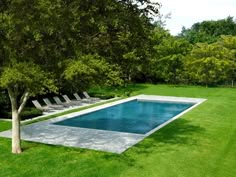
67 103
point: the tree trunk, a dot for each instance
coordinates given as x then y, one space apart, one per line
232 83
16 144
16 111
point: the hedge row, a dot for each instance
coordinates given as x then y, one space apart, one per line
28 113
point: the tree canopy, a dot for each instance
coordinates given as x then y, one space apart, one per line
209 64
209 31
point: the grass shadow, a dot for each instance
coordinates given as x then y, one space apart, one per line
179 133
136 87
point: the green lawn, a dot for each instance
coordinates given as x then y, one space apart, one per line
202 143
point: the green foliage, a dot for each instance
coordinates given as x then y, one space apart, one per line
119 32
201 50
88 70
168 57
22 77
210 63
116 30
4 101
208 70
229 42
209 31
28 113
175 60
35 38
52 32
194 36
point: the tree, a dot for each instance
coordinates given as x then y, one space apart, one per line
23 80
36 37
209 64
209 31
89 70
167 56
208 71
195 36
229 42
117 30
32 43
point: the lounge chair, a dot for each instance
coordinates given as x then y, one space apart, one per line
68 100
59 102
84 100
90 98
49 104
42 108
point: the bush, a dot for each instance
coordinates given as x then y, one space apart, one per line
102 96
28 113
4 101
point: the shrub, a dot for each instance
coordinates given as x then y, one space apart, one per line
26 114
102 96
4 101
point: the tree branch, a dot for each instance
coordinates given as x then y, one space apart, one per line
12 96
24 99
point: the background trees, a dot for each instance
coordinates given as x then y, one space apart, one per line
168 57
210 63
199 55
118 31
94 71
229 42
209 31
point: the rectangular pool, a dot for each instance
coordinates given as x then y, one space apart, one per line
134 116
111 127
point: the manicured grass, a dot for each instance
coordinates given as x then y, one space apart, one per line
4 125
202 143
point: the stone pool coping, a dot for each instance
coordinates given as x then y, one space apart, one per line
103 140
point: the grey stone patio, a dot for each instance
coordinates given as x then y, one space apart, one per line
47 133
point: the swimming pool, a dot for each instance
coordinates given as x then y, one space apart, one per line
115 127
132 117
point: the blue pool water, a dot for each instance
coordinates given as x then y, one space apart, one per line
133 117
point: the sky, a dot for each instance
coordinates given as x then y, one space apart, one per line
187 12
